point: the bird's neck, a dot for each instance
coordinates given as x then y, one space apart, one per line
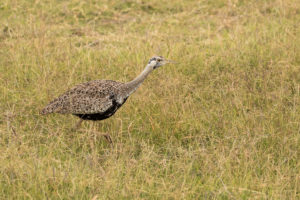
131 86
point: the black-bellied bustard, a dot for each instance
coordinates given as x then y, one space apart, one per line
99 99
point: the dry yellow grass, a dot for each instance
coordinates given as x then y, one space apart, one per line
223 123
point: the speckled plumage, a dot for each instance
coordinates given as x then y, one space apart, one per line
94 97
99 99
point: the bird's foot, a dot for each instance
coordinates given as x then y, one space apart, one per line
105 135
108 138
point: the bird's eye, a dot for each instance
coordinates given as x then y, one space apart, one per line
158 60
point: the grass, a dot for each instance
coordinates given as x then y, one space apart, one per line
223 123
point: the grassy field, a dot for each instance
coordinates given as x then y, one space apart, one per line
223 123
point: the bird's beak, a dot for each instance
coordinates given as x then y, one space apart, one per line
170 61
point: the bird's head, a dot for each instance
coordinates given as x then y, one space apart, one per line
158 61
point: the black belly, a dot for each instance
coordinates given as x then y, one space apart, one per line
94 117
104 115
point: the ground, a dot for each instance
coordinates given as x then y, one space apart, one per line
222 123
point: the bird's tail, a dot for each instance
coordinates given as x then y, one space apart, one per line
44 111
52 107
47 110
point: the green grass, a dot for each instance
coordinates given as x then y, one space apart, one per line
223 123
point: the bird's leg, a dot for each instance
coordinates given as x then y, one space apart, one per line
78 124
106 136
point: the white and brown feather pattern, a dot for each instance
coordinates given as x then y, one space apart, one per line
99 99
87 98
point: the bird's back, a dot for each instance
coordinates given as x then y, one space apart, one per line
87 98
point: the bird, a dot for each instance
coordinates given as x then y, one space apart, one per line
100 99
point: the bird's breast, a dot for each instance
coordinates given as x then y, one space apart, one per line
120 100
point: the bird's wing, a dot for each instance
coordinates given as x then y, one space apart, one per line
86 98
